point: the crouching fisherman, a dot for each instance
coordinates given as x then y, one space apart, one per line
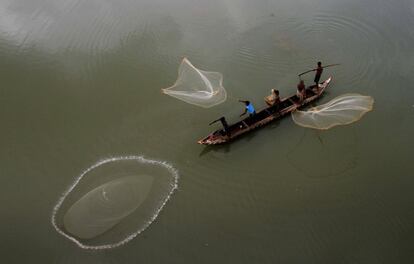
226 128
273 99
249 108
301 92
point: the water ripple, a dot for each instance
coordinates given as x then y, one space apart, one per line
357 44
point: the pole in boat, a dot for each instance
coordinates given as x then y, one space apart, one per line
330 65
224 123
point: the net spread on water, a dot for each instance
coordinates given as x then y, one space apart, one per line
197 87
342 110
113 201
105 206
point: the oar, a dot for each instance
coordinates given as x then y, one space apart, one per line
330 65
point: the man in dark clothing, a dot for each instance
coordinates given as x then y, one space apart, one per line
223 121
318 74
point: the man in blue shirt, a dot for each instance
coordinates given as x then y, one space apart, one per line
249 108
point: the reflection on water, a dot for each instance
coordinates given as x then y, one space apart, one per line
91 25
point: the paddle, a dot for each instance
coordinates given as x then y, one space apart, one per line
330 65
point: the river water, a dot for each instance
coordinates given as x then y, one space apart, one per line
81 80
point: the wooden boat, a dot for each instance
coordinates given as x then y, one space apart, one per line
265 116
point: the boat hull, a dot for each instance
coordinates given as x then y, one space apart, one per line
265 116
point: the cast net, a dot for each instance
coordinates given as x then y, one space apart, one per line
342 110
113 201
197 87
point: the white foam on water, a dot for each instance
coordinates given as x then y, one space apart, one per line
166 165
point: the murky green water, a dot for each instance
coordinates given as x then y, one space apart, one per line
81 80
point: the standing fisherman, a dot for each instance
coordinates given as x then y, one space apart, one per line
318 74
319 71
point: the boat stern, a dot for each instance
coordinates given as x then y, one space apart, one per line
212 139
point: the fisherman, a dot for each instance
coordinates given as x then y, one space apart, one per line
318 74
249 108
301 92
273 98
223 121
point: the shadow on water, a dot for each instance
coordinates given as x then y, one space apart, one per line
225 148
275 124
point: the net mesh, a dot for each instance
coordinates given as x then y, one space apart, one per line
197 87
105 206
342 110
113 201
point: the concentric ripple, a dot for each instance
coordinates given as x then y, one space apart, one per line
267 49
105 188
357 44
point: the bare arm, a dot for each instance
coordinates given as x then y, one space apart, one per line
214 121
245 111
323 67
